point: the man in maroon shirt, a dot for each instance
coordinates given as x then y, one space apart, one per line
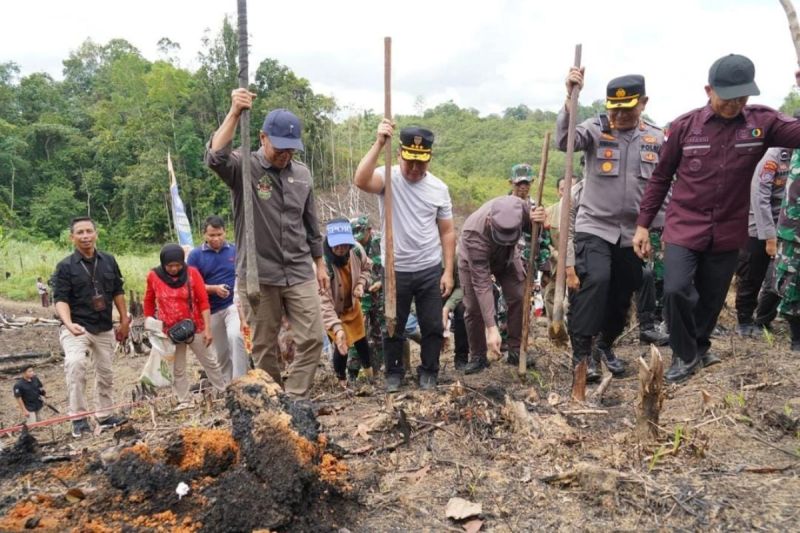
712 152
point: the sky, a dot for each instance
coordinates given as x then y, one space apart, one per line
483 55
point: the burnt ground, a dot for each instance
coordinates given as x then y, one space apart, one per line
726 456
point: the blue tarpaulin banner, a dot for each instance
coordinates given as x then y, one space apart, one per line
182 226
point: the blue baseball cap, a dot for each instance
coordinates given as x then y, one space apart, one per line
283 129
339 232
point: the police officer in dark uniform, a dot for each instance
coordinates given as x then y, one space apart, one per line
621 152
767 189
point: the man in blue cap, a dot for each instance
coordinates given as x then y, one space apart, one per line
289 241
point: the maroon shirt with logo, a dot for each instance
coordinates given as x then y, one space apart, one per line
713 160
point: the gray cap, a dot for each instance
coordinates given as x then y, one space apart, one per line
507 214
732 76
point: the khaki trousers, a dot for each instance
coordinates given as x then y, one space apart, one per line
77 352
207 360
302 308
229 343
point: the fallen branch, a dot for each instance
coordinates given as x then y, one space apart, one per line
392 445
759 386
597 395
585 412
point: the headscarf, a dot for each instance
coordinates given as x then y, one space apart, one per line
172 253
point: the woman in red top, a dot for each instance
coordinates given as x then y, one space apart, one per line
169 288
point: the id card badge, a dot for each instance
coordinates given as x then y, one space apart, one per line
99 302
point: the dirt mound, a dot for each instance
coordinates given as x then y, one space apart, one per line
201 479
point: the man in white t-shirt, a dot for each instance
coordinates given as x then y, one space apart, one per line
424 245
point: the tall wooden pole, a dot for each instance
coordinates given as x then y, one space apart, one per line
535 230
390 289
794 27
252 287
558 331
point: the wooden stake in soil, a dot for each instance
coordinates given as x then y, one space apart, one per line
390 289
579 382
557 330
651 395
252 286
526 303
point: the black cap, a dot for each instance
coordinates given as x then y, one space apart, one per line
733 76
624 92
416 143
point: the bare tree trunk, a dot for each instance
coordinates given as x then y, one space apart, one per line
651 395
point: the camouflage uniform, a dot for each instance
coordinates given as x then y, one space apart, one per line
371 303
656 262
787 262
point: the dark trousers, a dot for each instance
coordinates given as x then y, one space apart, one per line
340 360
646 300
460 334
768 299
513 289
609 275
750 272
423 288
695 286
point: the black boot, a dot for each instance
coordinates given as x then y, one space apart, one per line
460 361
794 327
582 351
648 334
604 352
476 364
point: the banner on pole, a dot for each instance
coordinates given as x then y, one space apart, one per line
182 226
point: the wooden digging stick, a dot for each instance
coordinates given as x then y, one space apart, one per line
252 287
794 27
535 230
390 289
557 330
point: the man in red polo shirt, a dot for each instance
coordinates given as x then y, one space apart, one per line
712 151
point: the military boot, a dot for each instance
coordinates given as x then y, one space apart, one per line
603 352
794 328
476 364
582 351
648 334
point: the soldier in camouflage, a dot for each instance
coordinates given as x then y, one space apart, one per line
787 262
372 301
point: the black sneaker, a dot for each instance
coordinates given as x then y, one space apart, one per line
653 336
111 421
477 364
393 382
427 381
80 426
460 363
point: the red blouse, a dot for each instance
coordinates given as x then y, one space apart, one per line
173 304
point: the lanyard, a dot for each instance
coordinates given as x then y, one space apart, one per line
92 275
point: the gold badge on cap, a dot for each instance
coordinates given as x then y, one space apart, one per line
621 93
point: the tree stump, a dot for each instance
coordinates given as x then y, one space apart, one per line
579 382
651 395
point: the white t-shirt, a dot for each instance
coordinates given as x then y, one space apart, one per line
415 211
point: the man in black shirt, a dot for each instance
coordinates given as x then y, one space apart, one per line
28 390
87 282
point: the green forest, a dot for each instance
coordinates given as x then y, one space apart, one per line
96 141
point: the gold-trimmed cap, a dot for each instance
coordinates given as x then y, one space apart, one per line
416 144
624 92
